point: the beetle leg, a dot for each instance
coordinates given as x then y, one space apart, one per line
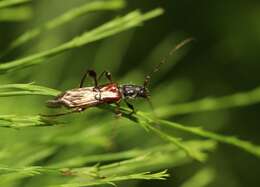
90 73
64 113
107 74
129 105
117 110
56 115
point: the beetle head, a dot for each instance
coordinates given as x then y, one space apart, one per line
131 91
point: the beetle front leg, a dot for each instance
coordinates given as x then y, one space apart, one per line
90 73
129 105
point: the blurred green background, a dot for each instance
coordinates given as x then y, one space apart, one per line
223 60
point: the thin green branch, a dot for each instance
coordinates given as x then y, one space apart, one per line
11 174
87 172
166 156
67 17
81 160
130 154
134 157
90 174
7 3
115 26
26 89
14 121
242 144
111 180
16 14
178 142
210 104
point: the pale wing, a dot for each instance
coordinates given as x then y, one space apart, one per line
89 96
80 97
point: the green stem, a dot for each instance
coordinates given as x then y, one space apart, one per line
210 104
67 17
6 3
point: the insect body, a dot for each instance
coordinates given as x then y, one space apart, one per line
86 97
79 99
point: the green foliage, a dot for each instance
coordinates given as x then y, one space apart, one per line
209 104
15 121
25 89
245 145
66 17
117 25
111 180
202 178
16 14
6 3
144 118
134 162
92 172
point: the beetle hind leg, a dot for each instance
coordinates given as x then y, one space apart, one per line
117 110
64 113
90 73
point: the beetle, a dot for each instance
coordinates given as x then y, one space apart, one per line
79 99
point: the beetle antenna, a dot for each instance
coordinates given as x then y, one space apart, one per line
164 60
